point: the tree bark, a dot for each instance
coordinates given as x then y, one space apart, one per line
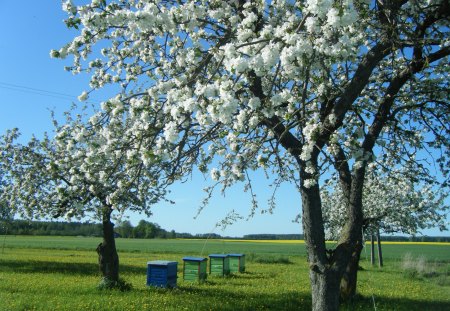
350 277
351 235
108 259
372 250
323 275
324 290
380 255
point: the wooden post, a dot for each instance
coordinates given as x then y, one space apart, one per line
380 255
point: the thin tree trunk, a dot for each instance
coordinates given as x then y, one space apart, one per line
372 249
380 255
4 240
108 258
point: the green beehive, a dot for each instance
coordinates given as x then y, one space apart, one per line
194 269
219 264
237 262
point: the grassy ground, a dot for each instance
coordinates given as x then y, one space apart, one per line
59 273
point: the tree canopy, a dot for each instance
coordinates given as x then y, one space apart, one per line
80 171
392 202
272 85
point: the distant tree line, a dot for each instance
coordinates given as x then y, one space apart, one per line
124 229
144 230
149 230
24 227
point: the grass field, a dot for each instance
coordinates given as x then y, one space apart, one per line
61 273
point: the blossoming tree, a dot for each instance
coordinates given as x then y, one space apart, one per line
394 202
96 168
297 88
5 211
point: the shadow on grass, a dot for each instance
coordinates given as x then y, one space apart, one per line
214 298
203 298
36 266
397 304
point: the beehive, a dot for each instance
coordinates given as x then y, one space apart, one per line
162 273
237 262
219 264
194 269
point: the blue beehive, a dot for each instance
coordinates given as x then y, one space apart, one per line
162 273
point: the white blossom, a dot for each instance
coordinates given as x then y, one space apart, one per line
83 97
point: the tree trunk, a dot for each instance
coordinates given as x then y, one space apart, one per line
327 267
324 290
372 250
350 277
108 258
380 255
324 278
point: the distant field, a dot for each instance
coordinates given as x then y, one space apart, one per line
431 251
61 273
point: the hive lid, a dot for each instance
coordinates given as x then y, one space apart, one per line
194 259
236 255
161 263
218 255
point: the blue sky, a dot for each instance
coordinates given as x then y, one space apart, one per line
32 84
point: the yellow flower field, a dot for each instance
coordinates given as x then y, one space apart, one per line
303 242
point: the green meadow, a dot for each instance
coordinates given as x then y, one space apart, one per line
61 273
